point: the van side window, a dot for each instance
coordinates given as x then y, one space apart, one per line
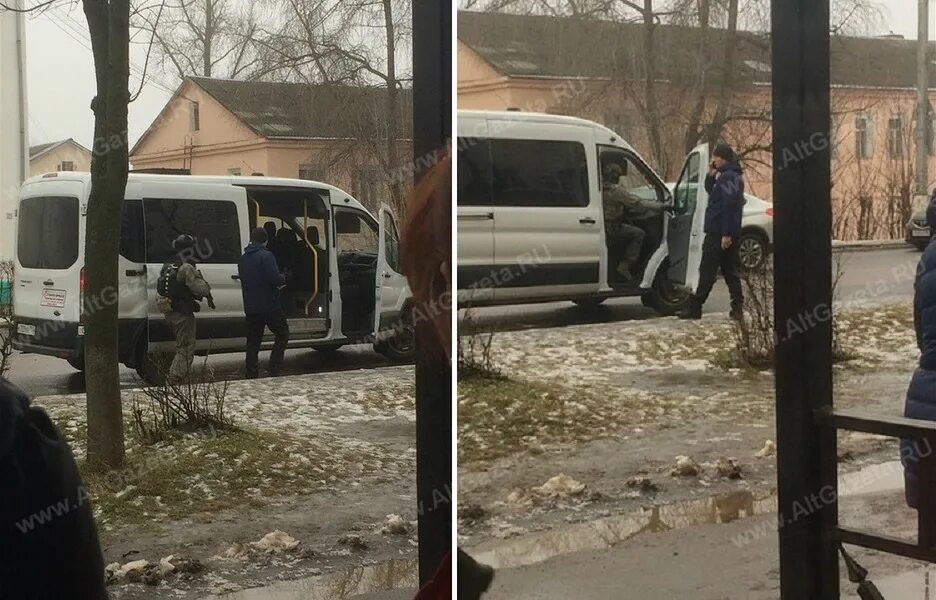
132 233
474 172
634 177
48 233
687 186
392 243
212 223
539 173
355 233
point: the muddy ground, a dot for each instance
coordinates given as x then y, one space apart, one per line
647 393
324 458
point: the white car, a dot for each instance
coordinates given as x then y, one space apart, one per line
756 241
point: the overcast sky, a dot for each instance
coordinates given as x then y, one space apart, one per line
60 73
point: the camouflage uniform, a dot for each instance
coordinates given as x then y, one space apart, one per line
182 320
621 206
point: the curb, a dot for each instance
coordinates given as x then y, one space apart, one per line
859 245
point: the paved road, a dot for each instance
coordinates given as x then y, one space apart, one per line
866 274
44 375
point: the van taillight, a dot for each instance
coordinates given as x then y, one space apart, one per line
81 288
770 211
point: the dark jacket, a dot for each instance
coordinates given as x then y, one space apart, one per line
260 280
48 542
921 395
725 202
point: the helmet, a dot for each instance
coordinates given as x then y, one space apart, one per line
183 242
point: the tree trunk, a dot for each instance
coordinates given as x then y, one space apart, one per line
209 34
654 134
725 94
698 110
109 28
393 112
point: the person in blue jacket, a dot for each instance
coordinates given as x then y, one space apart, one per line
261 282
725 187
921 394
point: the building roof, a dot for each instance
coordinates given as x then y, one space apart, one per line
564 47
295 110
40 149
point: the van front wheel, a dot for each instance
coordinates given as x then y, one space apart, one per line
666 297
401 346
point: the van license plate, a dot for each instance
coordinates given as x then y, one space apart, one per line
921 233
25 329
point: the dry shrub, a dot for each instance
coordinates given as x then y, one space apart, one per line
196 404
475 358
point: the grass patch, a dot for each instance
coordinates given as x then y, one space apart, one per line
498 417
202 473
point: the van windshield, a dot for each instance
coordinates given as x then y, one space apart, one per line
47 236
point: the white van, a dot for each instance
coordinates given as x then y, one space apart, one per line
346 284
530 218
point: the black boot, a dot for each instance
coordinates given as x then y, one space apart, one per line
737 312
473 578
693 310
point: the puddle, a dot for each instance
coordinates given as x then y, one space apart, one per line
609 531
913 585
392 575
606 532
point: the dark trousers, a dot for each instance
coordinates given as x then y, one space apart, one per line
276 321
713 259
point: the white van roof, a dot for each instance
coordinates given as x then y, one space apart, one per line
240 180
545 118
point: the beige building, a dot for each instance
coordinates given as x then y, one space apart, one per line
66 155
335 134
598 70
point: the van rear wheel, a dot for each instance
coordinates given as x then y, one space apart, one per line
76 363
152 367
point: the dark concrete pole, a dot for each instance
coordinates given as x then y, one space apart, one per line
806 453
432 130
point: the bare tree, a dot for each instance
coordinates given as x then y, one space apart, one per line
209 38
109 27
357 42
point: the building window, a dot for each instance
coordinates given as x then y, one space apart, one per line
194 122
366 187
864 143
67 165
312 172
895 136
235 171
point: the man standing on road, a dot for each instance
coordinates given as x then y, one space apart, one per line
725 187
261 282
181 287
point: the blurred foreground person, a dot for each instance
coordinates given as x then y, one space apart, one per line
48 542
427 262
921 395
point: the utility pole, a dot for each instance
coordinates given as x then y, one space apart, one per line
924 129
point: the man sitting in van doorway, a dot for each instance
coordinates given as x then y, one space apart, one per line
261 282
181 288
622 209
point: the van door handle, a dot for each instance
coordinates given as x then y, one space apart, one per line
587 221
477 217
135 272
48 282
235 277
